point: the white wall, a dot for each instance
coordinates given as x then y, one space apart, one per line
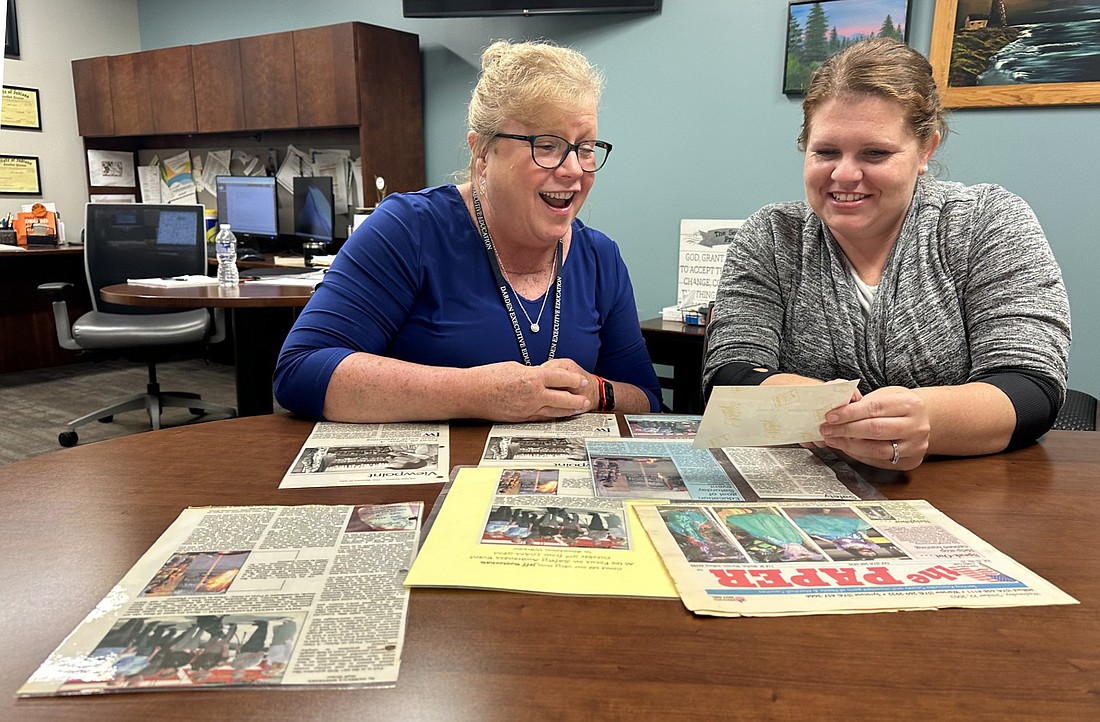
74 29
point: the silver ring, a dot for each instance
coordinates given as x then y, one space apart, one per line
897 454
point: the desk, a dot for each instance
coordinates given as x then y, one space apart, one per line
28 339
73 522
679 345
262 317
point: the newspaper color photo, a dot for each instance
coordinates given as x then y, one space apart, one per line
790 558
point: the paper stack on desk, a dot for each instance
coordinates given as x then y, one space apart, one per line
309 279
174 281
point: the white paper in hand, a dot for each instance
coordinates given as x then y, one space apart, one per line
769 415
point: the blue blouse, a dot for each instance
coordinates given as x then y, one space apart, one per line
413 282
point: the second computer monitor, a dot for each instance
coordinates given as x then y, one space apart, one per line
314 211
248 204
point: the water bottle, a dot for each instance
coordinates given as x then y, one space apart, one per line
225 246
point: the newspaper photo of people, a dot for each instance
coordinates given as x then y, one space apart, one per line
545 449
575 527
354 458
638 478
209 650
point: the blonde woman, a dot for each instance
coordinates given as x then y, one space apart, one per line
487 299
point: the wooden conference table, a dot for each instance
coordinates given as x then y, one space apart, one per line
262 315
73 522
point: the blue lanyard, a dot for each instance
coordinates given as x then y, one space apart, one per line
504 286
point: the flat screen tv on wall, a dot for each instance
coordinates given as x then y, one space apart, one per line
481 8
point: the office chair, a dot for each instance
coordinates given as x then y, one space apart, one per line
124 241
1078 413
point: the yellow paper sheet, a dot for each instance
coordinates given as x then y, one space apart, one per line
452 555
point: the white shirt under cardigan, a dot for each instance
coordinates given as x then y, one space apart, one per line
970 289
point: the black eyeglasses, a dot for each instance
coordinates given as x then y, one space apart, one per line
550 151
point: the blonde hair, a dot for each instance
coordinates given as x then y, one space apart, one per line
885 68
526 82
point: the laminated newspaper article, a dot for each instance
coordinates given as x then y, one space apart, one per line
536 530
792 558
657 469
672 469
548 443
337 454
772 472
257 595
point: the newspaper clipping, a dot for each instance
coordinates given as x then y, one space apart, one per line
361 454
552 443
790 558
264 595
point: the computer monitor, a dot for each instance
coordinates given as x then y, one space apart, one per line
314 210
248 204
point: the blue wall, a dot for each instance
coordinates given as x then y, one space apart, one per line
700 127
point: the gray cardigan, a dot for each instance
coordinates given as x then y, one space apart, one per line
971 291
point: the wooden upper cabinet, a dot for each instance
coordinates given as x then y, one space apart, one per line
324 68
391 122
267 77
171 89
152 92
361 79
219 93
130 94
92 85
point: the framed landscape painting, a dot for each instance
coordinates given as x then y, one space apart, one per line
1016 52
816 30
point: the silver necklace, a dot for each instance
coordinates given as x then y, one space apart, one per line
534 324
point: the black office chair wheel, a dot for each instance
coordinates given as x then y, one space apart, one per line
198 412
67 438
106 419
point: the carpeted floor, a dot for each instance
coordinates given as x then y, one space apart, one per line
35 406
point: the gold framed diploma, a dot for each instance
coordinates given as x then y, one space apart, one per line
20 175
20 108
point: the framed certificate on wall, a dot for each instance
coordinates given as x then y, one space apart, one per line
20 108
20 175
